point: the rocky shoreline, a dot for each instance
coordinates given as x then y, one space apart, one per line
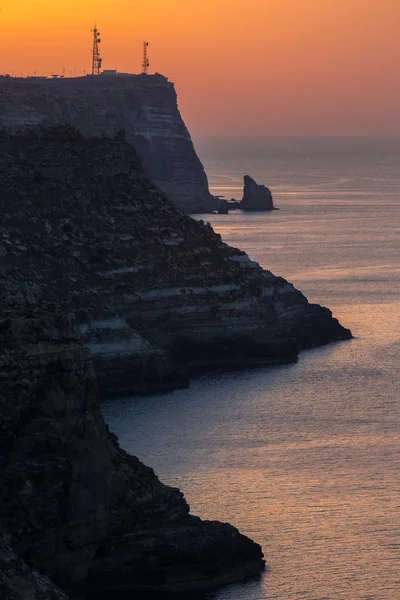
156 295
73 505
105 286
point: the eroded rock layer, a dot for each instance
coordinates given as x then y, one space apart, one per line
75 507
144 106
156 294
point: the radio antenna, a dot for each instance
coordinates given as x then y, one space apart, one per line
96 58
146 62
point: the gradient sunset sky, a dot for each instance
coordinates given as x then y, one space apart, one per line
241 67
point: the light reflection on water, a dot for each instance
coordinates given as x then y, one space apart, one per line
303 458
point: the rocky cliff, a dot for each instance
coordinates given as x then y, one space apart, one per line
73 506
156 294
144 106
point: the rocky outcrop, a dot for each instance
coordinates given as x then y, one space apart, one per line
145 107
76 507
255 196
156 294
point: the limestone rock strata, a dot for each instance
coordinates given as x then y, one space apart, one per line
126 362
77 508
144 106
154 292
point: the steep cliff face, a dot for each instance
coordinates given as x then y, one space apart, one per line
144 106
156 294
76 508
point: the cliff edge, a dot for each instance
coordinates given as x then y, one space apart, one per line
144 106
156 294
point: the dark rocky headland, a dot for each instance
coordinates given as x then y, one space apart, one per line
94 258
157 295
76 508
144 106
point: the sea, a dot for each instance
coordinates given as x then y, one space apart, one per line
303 458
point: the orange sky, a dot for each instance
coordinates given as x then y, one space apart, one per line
241 67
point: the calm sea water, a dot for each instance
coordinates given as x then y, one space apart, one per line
303 458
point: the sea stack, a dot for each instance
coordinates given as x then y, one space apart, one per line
256 196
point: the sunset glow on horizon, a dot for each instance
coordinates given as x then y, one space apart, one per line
241 67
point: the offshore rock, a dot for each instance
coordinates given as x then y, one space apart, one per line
144 106
156 294
255 196
77 508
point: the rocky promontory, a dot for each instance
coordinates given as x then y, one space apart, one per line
144 106
75 509
99 271
156 295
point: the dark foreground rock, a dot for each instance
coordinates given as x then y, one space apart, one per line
76 508
20 582
156 294
256 196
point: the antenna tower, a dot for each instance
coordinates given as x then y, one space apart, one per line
146 62
96 58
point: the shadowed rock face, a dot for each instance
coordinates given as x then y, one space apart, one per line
255 196
20 582
156 294
145 107
77 508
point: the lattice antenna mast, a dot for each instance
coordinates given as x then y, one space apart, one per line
146 62
96 58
